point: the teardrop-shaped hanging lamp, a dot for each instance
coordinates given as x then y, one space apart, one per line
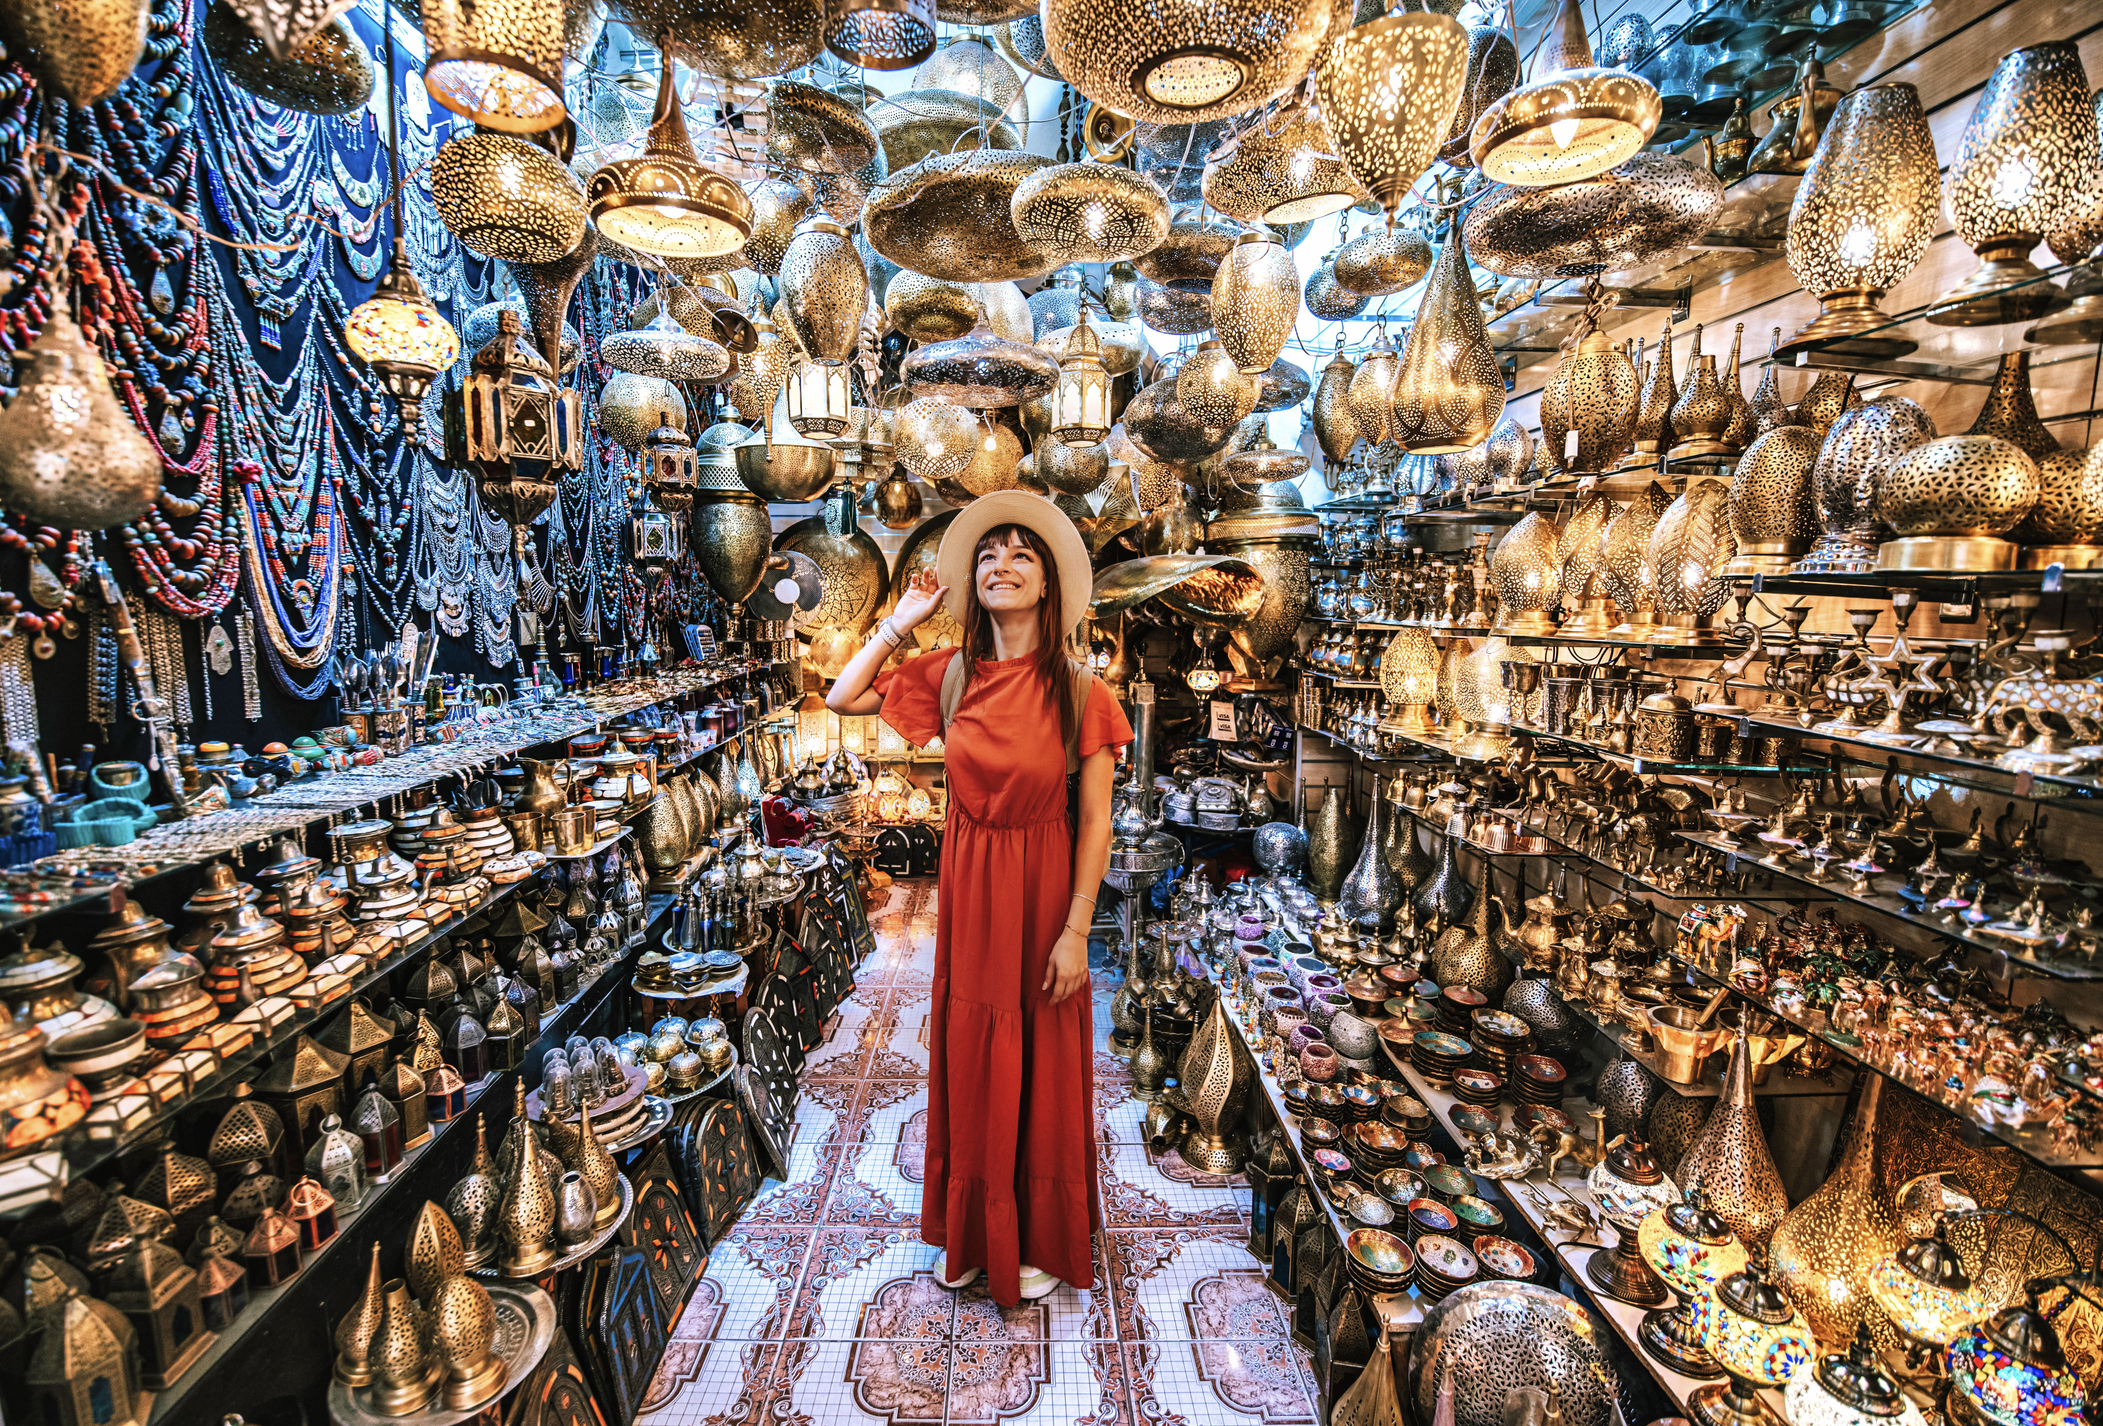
1255 301
1389 90
1449 390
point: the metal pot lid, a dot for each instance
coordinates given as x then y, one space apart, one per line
36 968
246 930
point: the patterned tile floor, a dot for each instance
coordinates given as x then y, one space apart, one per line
821 1305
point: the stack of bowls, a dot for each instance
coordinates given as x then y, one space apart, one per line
1502 1039
1421 1156
1479 1087
1375 1148
1368 1210
1502 1258
1557 1121
1361 1103
1449 1182
1478 1214
1399 1187
1330 1168
1378 1262
1320 1134
1444 1266
1457 1006
1326 1101
1425 1217
1437 1055
1405 1111
1538 1079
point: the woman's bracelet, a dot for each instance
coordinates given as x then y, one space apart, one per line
888 632
1089 899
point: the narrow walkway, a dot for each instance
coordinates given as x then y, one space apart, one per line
820 1306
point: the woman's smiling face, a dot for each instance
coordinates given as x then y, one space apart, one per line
1010 577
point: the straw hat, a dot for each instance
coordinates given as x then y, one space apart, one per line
954 562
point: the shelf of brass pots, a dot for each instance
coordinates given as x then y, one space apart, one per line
174 1405
1534 1198
2055 967
318 809
2082 794
2036 1143
85 1155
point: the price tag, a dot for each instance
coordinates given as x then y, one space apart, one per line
1730 864
1570 445
2022 784
1587 485
2051 579
1222 724
1744 726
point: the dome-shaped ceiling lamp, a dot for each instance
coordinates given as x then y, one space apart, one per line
397 331
1574 120
880 34
1389 90
1181 61
329 74
825 289
665 201
979 370
951 216
734 39
1286 170
814 130
1090 212
665 350
498 62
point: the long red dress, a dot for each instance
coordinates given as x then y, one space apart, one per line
1015 1181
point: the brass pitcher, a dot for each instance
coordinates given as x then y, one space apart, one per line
540 792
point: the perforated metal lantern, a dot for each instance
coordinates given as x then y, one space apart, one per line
499 62
818 398
665 201
1633 213
2021 171
1493 71
521 428
1372 394
951 216
83 52
1863 214
1389 90
1285 170
825 288
735 39
670 468
1213 389
506 198
1255 301
936 438
328 73
880 34
1186 60
1335 428
1588 410
664 349
1573 120
1950 500
1448 390
1688 550
1090 212
816 130
1381 261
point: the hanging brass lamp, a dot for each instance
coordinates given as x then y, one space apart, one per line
664 349
1285 170
1382 261
497 62
665 201
1090 212
1493 71
506 198
1571 122
1213 389
1862 217
1589 407
520 429
880 34
1372 393
1335 428
777 207
814 130
1449 390
2021 171
70 455
81 53
825 288
735 39
951 216
329 73
1080 414
1389 90
1184 61
1255 301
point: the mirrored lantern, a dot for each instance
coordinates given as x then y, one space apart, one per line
1574 119
1862 217
399 334
664 201
1389 90
2021 170
498 62
520 428
1080 414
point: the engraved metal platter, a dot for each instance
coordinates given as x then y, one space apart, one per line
525 1327
578 1254
656 1114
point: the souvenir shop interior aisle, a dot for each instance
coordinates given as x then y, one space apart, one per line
1592 515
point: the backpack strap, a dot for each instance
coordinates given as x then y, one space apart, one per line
952 696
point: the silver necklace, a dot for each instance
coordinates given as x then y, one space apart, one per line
251 689
18 698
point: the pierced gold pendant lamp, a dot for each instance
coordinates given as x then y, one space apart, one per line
1630 576
1372 394
1573 121
1449 390
506 198
1184 61
1389 90
1382 261
1335 428
1286 170
82 53
329 73
880 34
1588 409
1255 301
1090 212
665 201
825 287
1213 389
498 62
2020 172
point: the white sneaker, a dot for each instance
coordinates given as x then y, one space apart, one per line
942 1274
1037 1283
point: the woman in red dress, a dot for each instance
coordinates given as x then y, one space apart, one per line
1010 1185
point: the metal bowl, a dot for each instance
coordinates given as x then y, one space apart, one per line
787 474
1378 1261
1491 1338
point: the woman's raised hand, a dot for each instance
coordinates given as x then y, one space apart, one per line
922 597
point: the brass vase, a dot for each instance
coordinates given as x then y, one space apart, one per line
1333 837
1406 857
1149 1065
1771 504
2010 411
1215 1080
1703 411
1653 434
1731 1163
1824 1249
1370 894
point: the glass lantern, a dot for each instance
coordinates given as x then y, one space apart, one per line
1759 1340
1626 1185
818 399
1081 400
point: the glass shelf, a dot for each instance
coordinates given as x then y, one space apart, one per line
2075 794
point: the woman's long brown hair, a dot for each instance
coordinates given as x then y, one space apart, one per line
1053 669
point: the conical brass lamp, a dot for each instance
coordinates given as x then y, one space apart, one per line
1573 121
1449 390
665 202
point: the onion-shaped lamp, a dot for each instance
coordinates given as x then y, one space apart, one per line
1951 500
1925 1291
498 62
2021 171
1080 414
1849 1389
1627 1185
1409 672
664 201
1213 389
1693 1250
1389 90
507 198
399 333
1758 1339
936 438
1862 217
1572 122
2011 1370
1255 301
1529 577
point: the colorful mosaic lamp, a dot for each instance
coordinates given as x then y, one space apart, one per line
1759 1340
2011 1369
1693 1250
